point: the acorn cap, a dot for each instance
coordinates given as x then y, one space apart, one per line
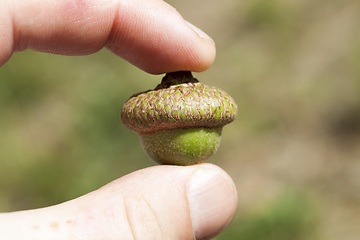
178 104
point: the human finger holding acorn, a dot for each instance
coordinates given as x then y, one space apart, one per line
181 120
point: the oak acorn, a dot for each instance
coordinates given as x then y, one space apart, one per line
180 121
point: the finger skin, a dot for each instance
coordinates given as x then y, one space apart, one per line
150 34
151 203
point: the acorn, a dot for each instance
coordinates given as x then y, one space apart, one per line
181 120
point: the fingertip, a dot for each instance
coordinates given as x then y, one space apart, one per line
158 40
212 200
203 198
206 49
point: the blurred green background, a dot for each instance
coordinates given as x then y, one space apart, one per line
293 67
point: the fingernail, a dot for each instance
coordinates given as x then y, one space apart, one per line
212 200
199 32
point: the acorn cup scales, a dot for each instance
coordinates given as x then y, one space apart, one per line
180 121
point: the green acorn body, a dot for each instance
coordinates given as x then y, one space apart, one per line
180 121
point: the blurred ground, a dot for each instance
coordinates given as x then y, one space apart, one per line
293 67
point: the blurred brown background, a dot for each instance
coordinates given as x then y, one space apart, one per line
293 67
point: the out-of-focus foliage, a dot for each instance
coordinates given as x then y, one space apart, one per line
61 135
293 67
290 216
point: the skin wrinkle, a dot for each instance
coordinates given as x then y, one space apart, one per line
137 208
128 221
156 217
116 39
112 27
188 203
117 216
20 36
179 190
186 200
182 190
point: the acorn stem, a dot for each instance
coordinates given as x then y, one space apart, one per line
176 78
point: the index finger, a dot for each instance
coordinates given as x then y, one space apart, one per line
150 34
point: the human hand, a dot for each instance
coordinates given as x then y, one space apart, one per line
162 202
149 34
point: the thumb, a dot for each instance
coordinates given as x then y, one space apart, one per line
161 202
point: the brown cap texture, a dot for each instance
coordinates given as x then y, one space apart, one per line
180 106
